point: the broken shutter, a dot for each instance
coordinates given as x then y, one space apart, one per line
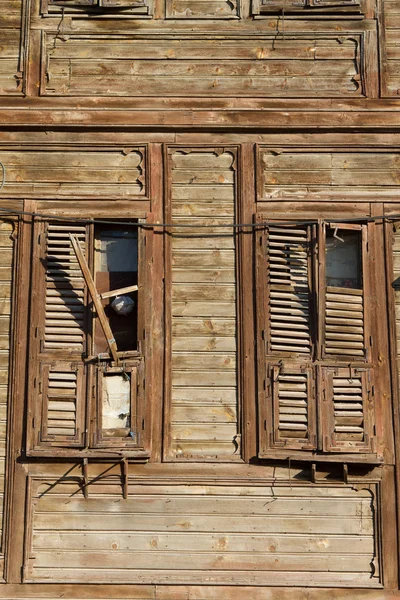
288 290
347 410
293 408
343 274
65 319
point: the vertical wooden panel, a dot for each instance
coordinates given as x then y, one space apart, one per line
7 231
204 421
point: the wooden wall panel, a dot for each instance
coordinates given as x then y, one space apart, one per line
10 82
391 63
267 67
75 172
240 534
320 175
204 420
396 288
6 276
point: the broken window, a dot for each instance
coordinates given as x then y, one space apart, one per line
87 370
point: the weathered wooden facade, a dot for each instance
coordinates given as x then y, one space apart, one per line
233 166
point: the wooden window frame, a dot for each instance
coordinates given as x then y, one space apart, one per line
88 441
136 374
272 444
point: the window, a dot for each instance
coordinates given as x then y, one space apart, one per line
87 343
317 389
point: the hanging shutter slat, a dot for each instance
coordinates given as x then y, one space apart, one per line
344 329
62 400
344 310
288 290
292 408
348 410
64 327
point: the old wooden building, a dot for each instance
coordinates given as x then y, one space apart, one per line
199 299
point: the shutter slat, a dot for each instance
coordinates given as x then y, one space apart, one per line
65 290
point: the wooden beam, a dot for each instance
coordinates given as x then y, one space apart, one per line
125 290
95 297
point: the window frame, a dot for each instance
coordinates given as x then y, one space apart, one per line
90 442
317 362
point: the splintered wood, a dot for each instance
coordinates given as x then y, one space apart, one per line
204 391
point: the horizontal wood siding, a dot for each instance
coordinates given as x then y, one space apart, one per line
10 82
76 172
6 276
264 67
197 533
204 392
312 174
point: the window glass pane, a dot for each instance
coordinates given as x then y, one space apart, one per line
117 250
343 259
116 406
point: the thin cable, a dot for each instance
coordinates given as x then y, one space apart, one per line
261 224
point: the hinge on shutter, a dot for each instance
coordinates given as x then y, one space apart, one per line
265 424
33 422
143 424
39 237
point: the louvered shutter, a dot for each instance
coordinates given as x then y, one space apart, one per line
62 395
288 290
344 328
64 325
347 410
293 408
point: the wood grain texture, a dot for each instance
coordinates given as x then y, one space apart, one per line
296 67
312 175
7 243
77 172
153 528
204 418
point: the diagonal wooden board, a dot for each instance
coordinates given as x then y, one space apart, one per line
95 297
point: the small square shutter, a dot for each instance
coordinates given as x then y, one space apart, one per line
60 417
64 325
293 408
347 410
288 290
